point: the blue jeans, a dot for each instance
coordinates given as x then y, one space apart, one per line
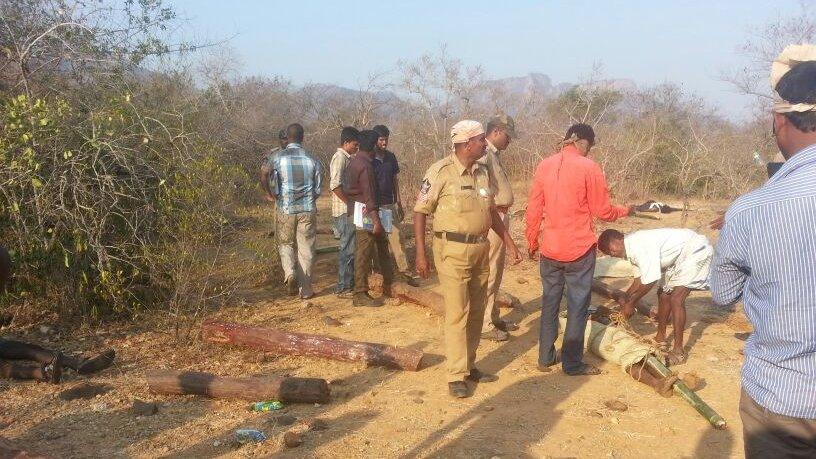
345 257
577 276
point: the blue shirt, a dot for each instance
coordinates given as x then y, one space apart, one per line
385 170
296 179
766 255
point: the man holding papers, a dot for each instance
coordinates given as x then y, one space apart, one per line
361 187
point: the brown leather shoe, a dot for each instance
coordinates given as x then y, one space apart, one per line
458 389
477 376
496 335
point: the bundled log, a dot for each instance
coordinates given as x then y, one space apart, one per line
428 298
301 390
289 343
604 289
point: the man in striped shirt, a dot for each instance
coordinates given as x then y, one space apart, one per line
766 255
292 179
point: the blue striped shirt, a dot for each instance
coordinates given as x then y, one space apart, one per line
766 255
296 179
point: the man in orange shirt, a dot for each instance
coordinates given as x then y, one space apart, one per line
568 190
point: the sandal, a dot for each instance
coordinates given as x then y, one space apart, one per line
52 371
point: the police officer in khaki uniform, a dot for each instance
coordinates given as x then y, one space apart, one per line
456 191
499 132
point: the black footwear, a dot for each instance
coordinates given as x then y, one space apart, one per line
585 370
363 300
97 362
477 376
409 279
458 389
292 286
495 335
507 326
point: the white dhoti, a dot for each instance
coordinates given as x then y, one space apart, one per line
691 268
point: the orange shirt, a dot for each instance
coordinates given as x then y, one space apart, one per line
568 190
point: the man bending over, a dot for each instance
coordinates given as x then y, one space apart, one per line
676 259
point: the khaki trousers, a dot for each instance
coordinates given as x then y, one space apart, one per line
396 241
297 230
497 256
463 272
370 249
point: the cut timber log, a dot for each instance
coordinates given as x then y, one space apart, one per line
604 289
288 343
301 390
430 299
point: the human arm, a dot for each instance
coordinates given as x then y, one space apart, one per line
729 267
266 172
634 293
336 171
421 260
534 213
598 197
318 179
499 227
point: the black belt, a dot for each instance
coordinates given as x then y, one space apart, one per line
461 237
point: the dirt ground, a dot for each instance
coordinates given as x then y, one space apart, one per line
377 412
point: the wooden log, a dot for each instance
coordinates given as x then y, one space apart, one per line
288 343
299 390
604 289
430 299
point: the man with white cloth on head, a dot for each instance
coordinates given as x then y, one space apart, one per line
677 259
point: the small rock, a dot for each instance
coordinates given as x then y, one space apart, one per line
99 407
416 393
45 329
283 420
316 424
419 401
711 358
292 439
216 444
84 391
616 405
141 408
522 280
332 322
489 408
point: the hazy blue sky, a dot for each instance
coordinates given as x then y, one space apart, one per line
686 42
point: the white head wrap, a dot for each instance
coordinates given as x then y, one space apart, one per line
790 58
465 130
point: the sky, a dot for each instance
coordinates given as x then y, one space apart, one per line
689 43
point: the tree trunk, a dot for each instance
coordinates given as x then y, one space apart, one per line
288 343
429 299
610 292
302 390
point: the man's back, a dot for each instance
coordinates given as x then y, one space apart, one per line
568 191
767 255
298 179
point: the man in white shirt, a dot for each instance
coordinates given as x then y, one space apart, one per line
349 143
677 259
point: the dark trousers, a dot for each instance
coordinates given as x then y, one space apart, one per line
16 350
345 256
774 436
577 276
368 246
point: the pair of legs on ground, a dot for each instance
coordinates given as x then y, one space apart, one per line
672 304
370 248
49 363
296 245
576 277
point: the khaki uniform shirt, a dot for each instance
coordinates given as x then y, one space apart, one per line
499 182
460 199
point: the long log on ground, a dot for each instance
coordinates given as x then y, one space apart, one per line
289 343
301 390
431 299
604 289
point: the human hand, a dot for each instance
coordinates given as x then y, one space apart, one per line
718 223
270 198
378 228
515 256
532 253
421 263
628 310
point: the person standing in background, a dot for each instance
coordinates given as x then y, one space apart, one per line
349 143
386 170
